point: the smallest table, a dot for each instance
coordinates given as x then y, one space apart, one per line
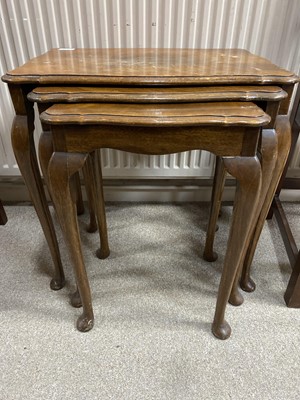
229 130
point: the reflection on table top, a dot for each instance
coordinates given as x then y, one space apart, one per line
150 66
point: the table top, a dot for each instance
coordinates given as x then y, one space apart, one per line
138 66
225 114
184 94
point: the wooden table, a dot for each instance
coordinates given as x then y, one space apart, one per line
230 130
135 68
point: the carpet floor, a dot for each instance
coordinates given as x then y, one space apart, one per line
154 301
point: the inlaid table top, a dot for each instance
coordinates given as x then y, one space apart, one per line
150 67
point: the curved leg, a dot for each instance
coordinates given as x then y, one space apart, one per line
283 132
62 168
103 251
247 171
75 299
78 194
268 151
218 187
24 150
94 170
87 174
45 153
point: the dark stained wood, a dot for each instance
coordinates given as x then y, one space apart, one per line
292 294
62 168
248 174
3 216
285 230
103 251
291 183
271 154
284 141
295 123
87 171
268 151
215 205
271 164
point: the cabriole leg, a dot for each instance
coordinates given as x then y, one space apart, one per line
216 200
62 168
268 153
89 187
283 134
247 171
24 150
103 251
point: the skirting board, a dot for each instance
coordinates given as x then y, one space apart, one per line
177 190
153 190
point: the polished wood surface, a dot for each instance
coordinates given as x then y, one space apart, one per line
80 94
241 138
210 114
150 67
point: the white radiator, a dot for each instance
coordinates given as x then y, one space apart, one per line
270 28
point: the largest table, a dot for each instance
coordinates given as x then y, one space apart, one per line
126 67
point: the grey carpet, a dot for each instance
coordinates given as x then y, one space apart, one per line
154 301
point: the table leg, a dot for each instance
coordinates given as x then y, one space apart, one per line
87 175
95 185
292 294
268 157
78 194
103 251
247 171
24 150
62 168
216 200
283 131
45 153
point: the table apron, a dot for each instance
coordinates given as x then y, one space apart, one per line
226 141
